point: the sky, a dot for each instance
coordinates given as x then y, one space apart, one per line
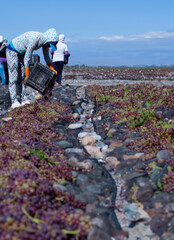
99 32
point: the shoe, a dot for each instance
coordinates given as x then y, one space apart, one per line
25 102
15 104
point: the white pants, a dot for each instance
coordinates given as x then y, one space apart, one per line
16 70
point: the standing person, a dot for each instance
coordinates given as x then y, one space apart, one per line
3 60
58 57
19 53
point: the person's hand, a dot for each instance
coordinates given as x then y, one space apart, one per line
27 73
50 65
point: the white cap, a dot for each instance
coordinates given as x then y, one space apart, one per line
61 37
1 39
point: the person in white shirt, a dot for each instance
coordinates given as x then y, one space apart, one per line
58 57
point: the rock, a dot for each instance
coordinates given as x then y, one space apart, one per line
116 143
144 193
132 176
38 96
101 145
86 165
103 222
75 125
90 199
74 162
135 156
159 223
112 161
6 119
163 155
134 213
82 134
89 207
94 151
88 127
78 151
76 115
98 234
59 187
167 236
156 177
78 110
111 132
64 144
128 164
81 179
96 136
76 102
140 231
93 188
88 140
141 190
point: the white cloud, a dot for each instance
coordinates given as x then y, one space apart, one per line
149 35
112 38
70 40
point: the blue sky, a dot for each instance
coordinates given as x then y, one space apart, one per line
99 32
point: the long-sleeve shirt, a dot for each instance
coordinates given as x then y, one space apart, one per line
27 42
61 50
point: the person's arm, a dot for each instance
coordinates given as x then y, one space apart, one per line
48 61
67 53
45 49
28 54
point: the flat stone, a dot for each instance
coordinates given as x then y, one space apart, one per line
76 115
75 125
112 161
64 144
134 213
163 155
135 156
6 119
116 143
96 136
94 151
88 140
82 134
78 151
140 231
38 96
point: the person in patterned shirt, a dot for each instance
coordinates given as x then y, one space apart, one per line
19 52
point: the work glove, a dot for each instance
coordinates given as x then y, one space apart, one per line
27 72
50 65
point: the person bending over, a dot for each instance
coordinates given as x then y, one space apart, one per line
19 53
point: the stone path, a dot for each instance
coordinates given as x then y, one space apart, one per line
126 212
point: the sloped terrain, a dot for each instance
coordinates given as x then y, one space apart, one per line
92 162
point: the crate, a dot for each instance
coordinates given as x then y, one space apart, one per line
40 77
34 59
